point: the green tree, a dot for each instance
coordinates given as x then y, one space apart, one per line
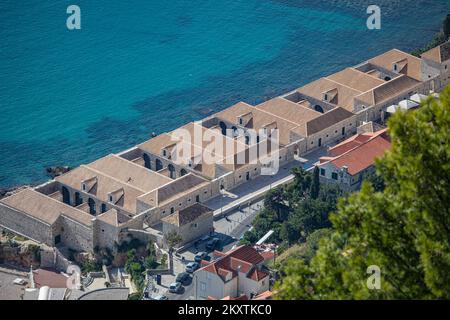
173 238
315 186
446 26
288 233
404 229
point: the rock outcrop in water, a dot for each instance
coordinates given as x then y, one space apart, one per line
57 171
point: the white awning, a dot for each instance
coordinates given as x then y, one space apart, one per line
418 97
408 104
392 109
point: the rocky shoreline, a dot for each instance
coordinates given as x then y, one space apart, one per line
52 172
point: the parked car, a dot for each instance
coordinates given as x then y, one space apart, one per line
161 297
19 281
192 266
175 287
212 244
184 278
201 256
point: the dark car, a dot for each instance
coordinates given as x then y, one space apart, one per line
212 244
175 287
184 278
201 256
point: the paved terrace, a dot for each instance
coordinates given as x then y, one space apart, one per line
255 189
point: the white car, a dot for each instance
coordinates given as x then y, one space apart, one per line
19 281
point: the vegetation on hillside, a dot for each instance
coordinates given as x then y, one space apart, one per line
296 210
403 228
439 38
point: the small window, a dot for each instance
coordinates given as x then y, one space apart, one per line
179 204
322 172
172 210
256 169
84 187
103 230
240 177
110 199
445 67
164 153
164 211
241 121
205 192
189 200
334 176
312 142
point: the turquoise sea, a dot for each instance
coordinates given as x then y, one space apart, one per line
136 67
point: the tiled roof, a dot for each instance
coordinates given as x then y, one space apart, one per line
156 144
363 156
244 258
438 54
113 217
183 184
129 172
257 275
356 79
44 208
103 187
188 215
349 144
342 95
259 119
289 110
411 65
327 120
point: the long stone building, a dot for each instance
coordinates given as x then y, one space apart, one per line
97 204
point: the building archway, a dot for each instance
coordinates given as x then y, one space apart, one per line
92 207
318 108
147 161
183 172
172 172
78 199
103 207
223 127
158 165
66 195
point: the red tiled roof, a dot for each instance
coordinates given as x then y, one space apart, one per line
267 255
243 265
257 275
243 257
363 156
349 144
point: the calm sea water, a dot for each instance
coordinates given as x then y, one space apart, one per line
69 97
